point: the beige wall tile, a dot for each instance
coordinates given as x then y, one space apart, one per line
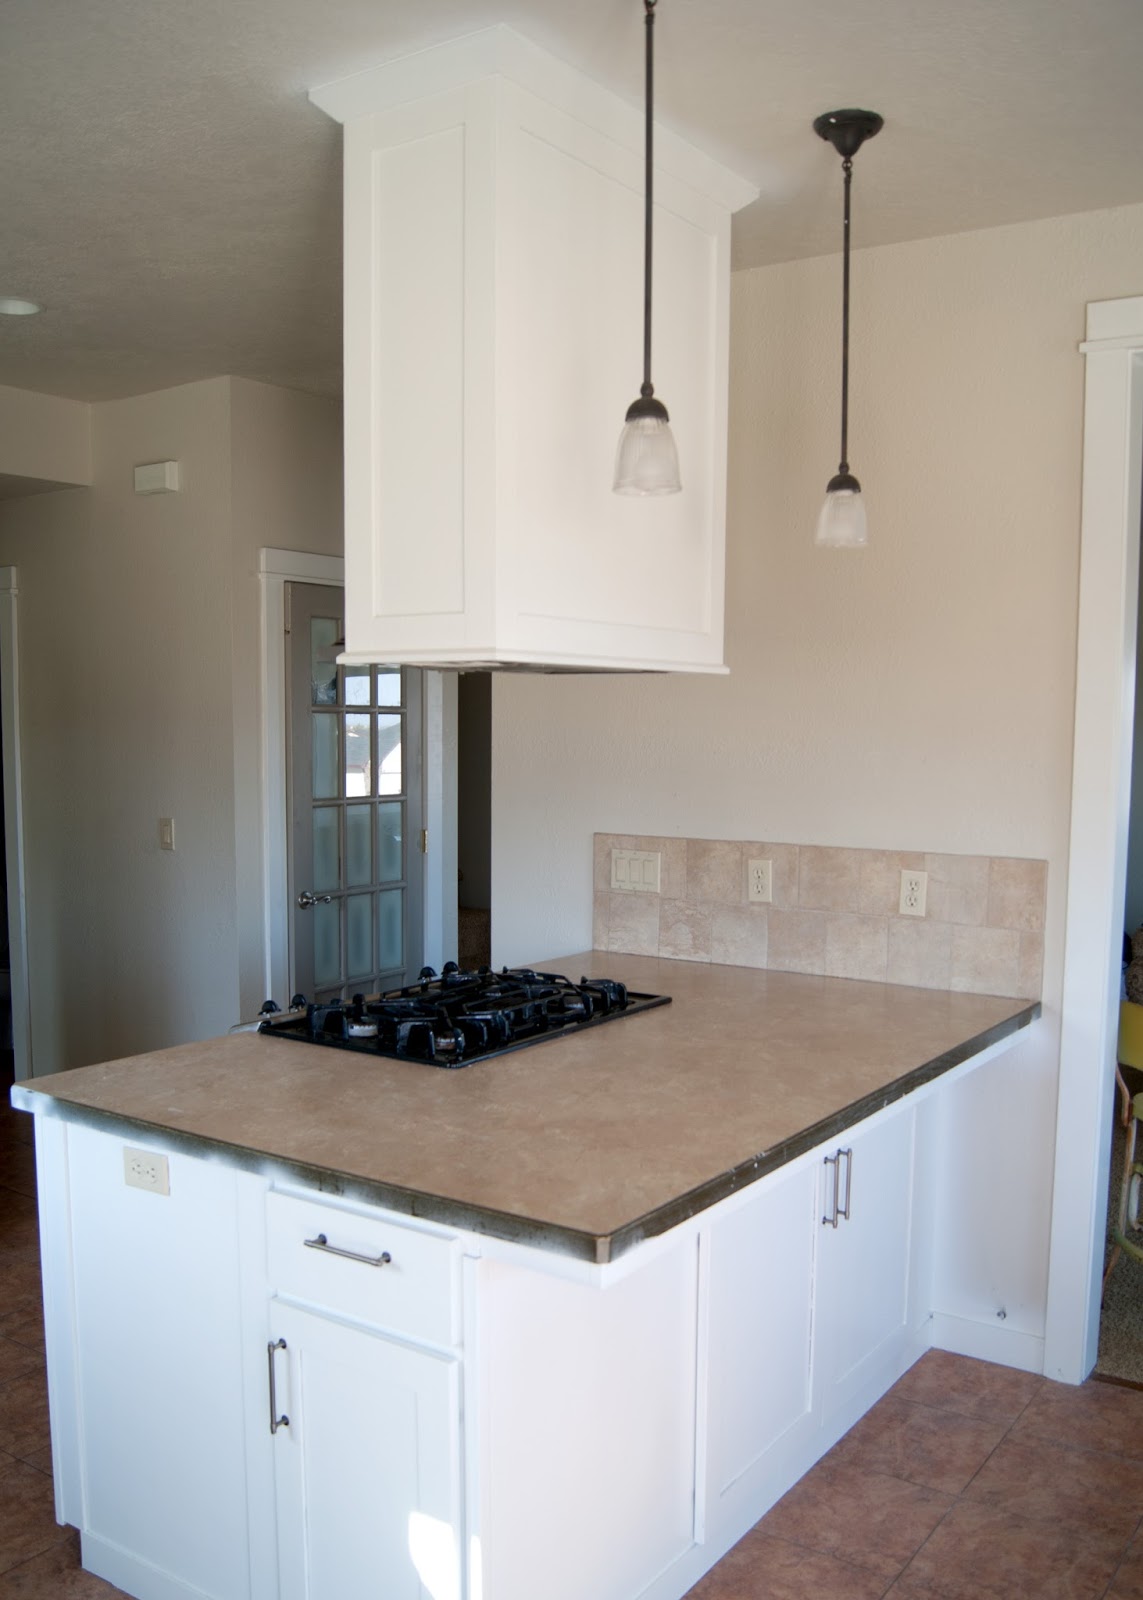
881 879
856 946
672 864
958 889
829 879
684 930
633 924
715 871
1030 975
920 952
739 935
797 941
1016 893
985 960
600 919
784 870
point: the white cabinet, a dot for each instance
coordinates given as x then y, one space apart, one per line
760 1406
155 1445
367 1466
493 342
864 1264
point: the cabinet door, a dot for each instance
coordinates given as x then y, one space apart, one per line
863 1263
367 1469
158 1356
759 1400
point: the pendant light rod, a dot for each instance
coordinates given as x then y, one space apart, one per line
648 180
847 131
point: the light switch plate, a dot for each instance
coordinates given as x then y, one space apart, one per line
166 833
636 871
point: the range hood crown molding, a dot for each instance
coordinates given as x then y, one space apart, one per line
493 274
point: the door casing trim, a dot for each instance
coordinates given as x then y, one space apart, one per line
14 825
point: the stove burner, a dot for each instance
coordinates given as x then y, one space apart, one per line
458 1017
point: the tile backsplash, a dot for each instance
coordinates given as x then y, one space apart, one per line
833 912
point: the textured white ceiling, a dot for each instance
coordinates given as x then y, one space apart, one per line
169 193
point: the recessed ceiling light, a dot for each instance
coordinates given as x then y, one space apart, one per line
11 307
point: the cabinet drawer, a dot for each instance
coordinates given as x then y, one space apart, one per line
413 1290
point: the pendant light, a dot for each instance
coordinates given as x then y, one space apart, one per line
842 521
647 461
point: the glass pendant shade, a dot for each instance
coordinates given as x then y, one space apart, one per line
842 524
647 461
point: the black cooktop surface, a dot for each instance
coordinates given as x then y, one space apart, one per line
459 1017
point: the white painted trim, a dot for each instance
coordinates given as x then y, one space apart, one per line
986 1341
1097 857
14 825
439 790
276 568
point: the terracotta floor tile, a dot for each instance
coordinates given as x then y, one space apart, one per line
27 1514
22 1303
1080 1489
1128 1581
974 1388
24 1414
864 1518
55 1575
17 1359
1094 1416
763 1568
18 1168
981 1554
939 1449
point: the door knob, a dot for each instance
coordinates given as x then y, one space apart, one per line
306 899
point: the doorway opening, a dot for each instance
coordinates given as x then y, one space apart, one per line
474 819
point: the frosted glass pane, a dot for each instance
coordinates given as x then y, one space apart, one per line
358 686
327 945
388 688
359 935
389 754
324 635
325 755
390 930
356 753
358 855
327 855
390 860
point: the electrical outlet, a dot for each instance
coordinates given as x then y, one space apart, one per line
146 1169
760 882
914 893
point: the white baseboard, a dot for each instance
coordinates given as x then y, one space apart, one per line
131 1573
988 1341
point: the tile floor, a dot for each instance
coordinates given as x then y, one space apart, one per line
967 1482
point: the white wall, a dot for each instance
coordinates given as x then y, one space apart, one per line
915 695
44 438
139 676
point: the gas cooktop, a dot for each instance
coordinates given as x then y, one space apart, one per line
459 1017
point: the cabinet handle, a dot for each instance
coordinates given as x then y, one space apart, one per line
276 1421
322 1243
830 1220
848 1154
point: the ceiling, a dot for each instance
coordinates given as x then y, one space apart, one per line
172 198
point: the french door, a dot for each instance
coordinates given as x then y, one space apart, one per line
355 804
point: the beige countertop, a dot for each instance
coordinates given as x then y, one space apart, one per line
584 1145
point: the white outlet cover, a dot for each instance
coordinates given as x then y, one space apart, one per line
760 881
146 1169
914 893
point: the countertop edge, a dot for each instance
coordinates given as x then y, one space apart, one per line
598 1249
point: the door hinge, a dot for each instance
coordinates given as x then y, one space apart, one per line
424 841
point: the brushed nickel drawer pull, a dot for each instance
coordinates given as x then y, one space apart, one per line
322 1243
848 1154
831 1218
276 1421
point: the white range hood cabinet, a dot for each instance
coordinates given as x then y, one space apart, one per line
493 342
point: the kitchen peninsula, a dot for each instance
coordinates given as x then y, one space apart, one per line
580 1311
